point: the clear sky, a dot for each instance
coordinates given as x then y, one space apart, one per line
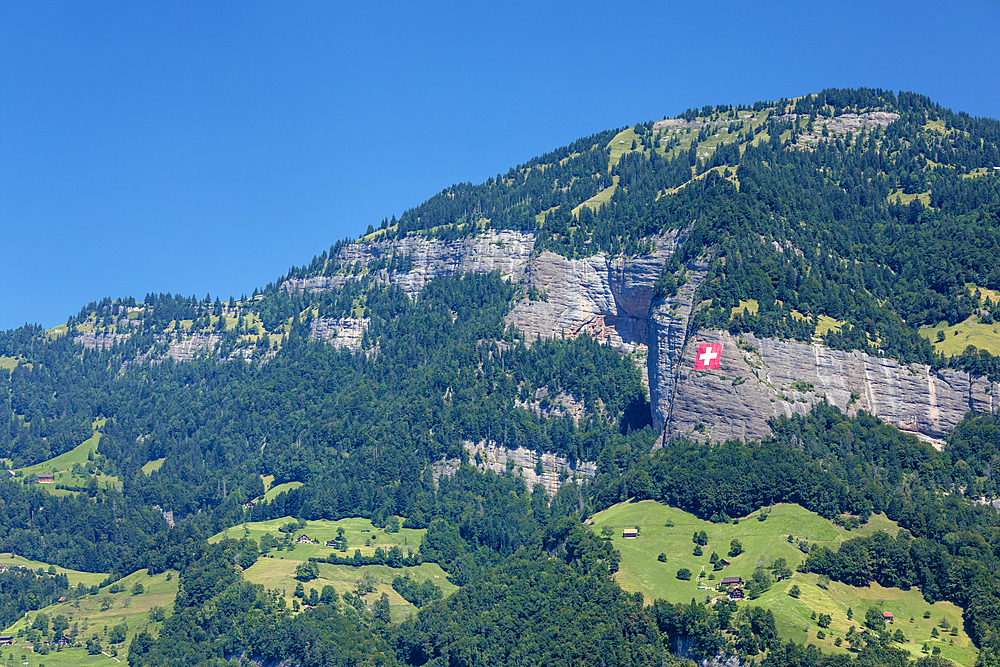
205 147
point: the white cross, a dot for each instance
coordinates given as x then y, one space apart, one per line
708 356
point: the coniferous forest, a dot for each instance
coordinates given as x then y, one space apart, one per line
882 229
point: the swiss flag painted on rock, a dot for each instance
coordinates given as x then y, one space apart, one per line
708 357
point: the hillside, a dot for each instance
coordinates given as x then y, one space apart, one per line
669 531
508 359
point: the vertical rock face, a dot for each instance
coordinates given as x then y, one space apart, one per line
611 300
608 298
761 378
667 326
504 251
339 332
524 462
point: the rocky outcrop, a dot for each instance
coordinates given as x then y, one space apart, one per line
191 345
339 332
556 470
607 298
667 331
611 300
504 251
761 378
100 341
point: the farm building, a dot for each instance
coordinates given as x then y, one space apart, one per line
630 533
887 615
732 581
46 479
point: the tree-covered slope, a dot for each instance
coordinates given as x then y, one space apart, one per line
867 213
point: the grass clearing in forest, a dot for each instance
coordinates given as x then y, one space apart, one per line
960 336
602 197
153 466
274 491
749 305
667 530
620 145
65 461
360 534
905 199
75 576
276 570
98 615
793 616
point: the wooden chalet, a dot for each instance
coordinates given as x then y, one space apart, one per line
330 543
732 581
46 479
6 639
305 539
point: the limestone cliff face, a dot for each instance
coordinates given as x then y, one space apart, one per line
504 251
611 300
762 378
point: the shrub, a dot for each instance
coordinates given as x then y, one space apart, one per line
735 548
684 574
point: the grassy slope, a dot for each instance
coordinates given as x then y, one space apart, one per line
63 465
764 541
274 491
970 332
277 569
89 619
9 363
65 461
75 576
152 466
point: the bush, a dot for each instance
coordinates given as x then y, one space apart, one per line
735 548
794 591
662 557
684 574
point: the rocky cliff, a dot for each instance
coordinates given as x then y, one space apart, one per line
612 299
762 378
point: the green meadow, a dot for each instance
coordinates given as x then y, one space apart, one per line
276 570
152 466
274 491
61 467
63 463
668 530
75 576
98 615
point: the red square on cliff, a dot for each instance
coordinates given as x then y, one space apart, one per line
708 357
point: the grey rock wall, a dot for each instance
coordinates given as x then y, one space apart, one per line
611 300
762 378
504 251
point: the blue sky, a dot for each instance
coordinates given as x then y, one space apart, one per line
196 147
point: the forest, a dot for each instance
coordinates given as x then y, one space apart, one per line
803 224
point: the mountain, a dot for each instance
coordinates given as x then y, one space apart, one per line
508 358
